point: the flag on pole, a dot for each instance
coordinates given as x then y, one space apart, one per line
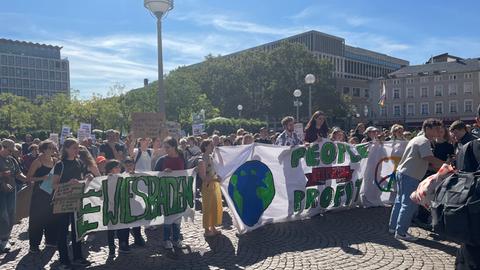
383 96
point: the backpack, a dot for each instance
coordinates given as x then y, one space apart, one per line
456 205
139 154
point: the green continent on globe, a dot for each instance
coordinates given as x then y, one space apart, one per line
237 197
266 193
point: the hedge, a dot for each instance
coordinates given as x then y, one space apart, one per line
230 125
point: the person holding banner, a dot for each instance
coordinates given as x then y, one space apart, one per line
288 137
41 219
173 160
69 170
317 128
211 195
412 167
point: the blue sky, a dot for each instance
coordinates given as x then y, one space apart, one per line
114 41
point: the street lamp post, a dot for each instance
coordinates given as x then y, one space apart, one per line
297 93
310 79
239 108
160 8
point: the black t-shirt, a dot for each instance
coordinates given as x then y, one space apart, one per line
70 169
443 150
105 148
265 141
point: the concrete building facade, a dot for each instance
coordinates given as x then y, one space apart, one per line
32 70
445 87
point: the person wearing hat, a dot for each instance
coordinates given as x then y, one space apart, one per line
371 134
101 160
9 171
337 135
264 136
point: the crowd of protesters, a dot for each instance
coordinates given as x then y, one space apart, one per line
34 161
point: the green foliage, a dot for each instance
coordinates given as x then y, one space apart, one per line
230 125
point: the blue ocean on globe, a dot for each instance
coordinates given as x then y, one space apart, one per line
252 190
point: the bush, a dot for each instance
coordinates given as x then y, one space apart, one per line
41 134
230 125
4 134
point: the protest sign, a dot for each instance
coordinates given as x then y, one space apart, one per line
267 184
131 200
82 135
64 134
67 198
54 138
174 129
299 130
147 125
198 123
87 128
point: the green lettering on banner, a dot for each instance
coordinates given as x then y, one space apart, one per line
349 191
312 155
175 199
108 216
126 210
358 185
338 195
326 197
153 197
342 149
298 197
84 226
88 209
354 158
187 189
362 150
328 153
297 154
311 201
142 195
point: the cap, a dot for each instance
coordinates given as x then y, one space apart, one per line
371 128
100 159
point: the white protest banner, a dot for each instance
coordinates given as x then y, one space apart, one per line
87 128
131 200
54 138
64 134
299 130
268 184
147 125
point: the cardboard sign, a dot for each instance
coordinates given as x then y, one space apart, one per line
197 129
198 123
299 130
67 198
147 125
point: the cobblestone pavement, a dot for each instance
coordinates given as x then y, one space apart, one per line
353 239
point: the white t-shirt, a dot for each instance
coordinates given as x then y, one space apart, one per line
144 163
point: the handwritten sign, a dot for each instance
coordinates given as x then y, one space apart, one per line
65 133
54 138
174 129
299 130
67 198
147 125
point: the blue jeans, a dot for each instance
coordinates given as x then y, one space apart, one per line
7 214
404 209
167 232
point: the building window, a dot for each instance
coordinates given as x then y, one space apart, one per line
452 89
437 78
356 92
410 81
453 104
396 82
410 109
439 107
467 75
468 87
4 60
396 110
424 79
438 90
468 105
396 93
410 93
346 90
452 77
383 111
367 93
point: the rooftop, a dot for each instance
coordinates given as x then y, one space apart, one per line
436 68
19 42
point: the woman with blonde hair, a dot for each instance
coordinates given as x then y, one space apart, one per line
211 195
397 133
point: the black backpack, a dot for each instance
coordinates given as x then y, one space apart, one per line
456 205
139 154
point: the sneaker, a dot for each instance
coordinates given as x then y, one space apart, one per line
64 267
124 248
406 237
34 249
178 244
168 244
5 247
139 242
81 262
391 231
